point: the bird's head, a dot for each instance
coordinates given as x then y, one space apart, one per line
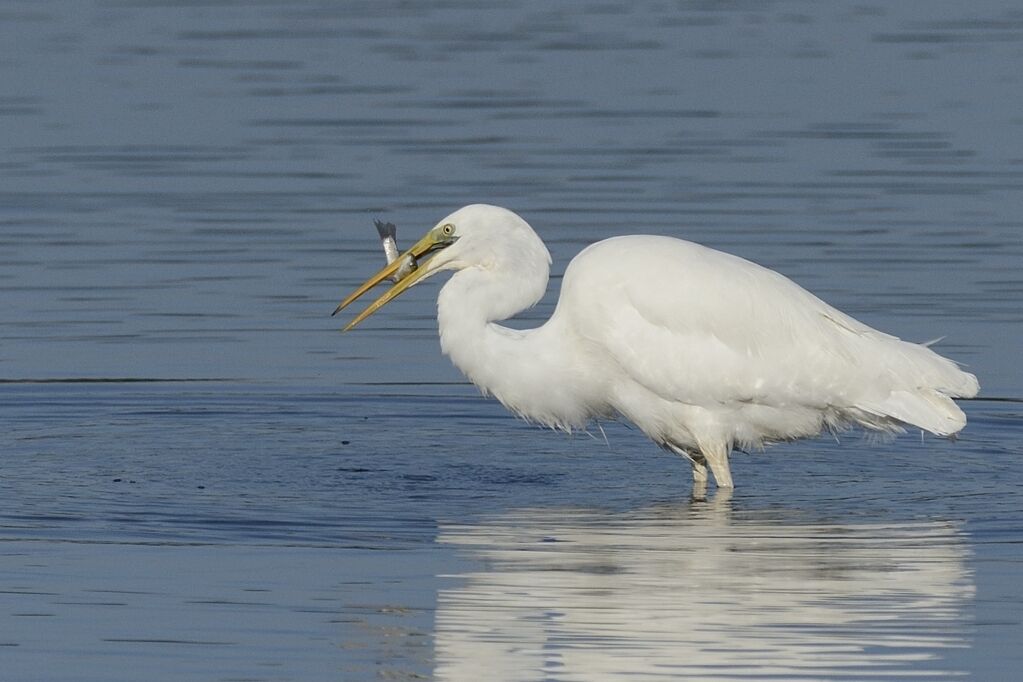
478 235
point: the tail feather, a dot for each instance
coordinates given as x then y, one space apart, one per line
926 409
921 367
923 384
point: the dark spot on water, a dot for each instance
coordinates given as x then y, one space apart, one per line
419 478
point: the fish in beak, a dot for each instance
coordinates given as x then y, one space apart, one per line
405 269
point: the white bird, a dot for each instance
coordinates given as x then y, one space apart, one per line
702 350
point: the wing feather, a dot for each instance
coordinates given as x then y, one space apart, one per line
699 326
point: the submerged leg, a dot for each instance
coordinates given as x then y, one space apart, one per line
717 457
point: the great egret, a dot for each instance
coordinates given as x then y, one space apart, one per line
700 349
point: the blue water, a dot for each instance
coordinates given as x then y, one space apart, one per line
200 479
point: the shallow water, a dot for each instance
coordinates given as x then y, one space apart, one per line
201 479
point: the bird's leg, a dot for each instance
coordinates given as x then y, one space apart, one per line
698 461
717 457
699 468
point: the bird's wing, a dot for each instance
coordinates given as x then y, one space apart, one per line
696 325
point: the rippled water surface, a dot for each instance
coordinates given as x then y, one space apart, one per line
200 479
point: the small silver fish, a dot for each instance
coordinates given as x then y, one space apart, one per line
387 232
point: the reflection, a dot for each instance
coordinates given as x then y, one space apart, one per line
698 591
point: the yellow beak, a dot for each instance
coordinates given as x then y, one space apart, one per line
433 241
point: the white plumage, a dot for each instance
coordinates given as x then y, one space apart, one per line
702 350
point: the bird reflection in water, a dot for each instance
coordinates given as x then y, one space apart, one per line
698 591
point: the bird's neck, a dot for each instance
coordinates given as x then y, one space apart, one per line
529 371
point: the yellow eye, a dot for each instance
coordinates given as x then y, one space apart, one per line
447 230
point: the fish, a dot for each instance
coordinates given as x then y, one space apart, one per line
388 232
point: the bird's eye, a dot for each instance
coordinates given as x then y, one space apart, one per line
447 230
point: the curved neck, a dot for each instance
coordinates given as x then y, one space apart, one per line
530 371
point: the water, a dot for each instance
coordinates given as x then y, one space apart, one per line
201 479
